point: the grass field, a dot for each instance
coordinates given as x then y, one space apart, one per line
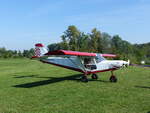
28 86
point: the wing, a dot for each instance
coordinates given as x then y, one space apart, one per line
73 53
76 53
109 55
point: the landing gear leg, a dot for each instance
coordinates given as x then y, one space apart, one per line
113 78
84 78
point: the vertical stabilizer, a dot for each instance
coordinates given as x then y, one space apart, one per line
40 50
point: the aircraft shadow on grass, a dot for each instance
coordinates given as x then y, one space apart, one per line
50 80
25 76
146 87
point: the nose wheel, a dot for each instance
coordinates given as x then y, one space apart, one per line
113 78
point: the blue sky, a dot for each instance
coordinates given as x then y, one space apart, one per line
26 22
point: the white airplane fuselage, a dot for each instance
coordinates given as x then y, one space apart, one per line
77 63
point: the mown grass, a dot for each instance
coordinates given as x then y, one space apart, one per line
28 86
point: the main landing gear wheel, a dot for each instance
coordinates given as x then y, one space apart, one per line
84 79
94 76
113 78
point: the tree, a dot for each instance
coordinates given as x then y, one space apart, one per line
106 43
64 44
83 42
71 36
2 52
55 46
116 44
95 38
20 54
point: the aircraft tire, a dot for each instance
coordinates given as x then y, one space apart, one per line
113 79
84 79
94 76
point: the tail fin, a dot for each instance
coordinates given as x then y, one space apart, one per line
39 50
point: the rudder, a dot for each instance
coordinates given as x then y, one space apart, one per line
39 50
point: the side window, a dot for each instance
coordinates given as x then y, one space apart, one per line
99 58
89 63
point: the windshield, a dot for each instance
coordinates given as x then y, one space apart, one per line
99 58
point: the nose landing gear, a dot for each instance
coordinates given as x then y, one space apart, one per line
113 78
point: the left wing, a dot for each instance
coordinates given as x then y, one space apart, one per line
73 53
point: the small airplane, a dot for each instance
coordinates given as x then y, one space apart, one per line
84 62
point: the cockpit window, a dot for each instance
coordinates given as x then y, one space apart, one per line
99 58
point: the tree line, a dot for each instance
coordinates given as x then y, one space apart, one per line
95 41
4 53
101 42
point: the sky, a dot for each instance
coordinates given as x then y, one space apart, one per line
26 22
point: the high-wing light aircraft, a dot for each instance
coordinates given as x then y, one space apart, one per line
86 63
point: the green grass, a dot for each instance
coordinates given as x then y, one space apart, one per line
28 86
